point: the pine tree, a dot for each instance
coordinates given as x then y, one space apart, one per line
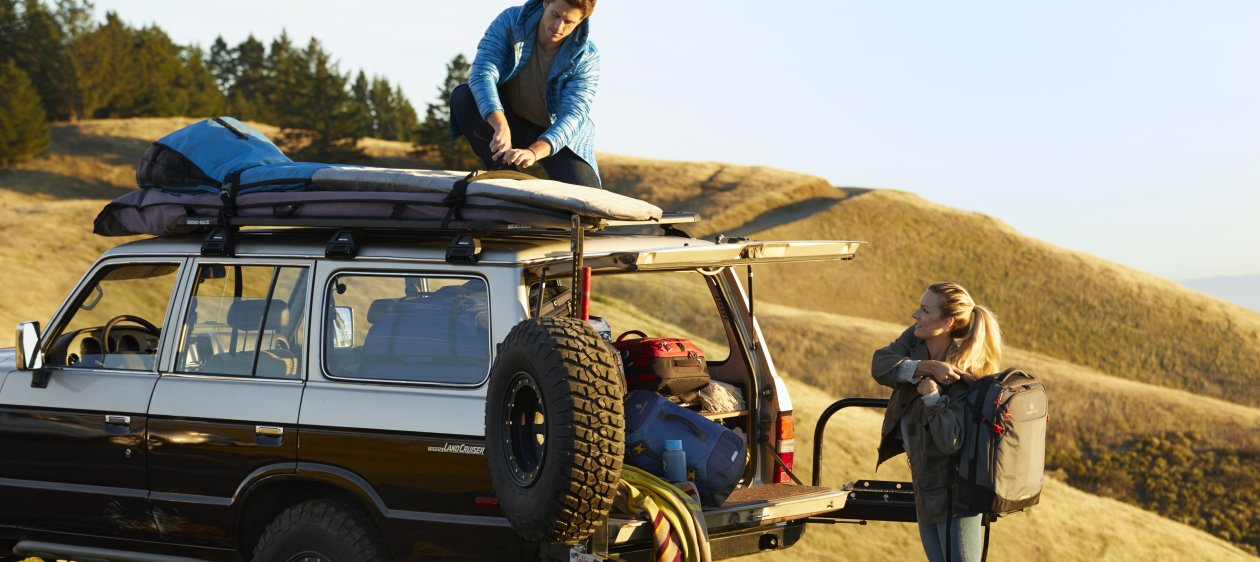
247 98
200 86
102 73
381 94
223 64
10 28
322 124
363 106
39 48
153 77
284 85
435 131
23 129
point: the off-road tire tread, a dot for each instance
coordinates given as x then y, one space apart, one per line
343 520
574 362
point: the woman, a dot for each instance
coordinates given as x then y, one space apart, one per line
952 339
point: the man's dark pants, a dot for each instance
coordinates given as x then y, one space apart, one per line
565 165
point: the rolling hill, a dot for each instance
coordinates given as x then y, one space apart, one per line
1053 301
1125 354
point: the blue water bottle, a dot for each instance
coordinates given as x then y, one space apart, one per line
675 461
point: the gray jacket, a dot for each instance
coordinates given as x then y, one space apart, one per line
929 435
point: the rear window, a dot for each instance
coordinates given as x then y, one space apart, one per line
674 304
407 328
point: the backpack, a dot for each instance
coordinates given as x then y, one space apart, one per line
1003 455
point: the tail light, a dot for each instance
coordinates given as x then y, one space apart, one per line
786 448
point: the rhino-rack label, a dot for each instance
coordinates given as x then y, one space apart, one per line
459 449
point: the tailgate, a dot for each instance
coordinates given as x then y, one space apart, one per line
755 506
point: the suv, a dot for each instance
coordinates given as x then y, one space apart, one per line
386 394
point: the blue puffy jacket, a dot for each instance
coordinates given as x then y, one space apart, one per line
505 49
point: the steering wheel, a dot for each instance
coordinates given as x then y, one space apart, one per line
148 327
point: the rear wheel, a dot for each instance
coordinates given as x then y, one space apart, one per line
321 531
555 429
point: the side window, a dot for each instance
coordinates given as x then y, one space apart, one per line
117 320
407 328
245 320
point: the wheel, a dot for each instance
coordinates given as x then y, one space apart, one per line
555 429
321 531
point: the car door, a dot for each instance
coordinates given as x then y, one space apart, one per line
226 411
72 432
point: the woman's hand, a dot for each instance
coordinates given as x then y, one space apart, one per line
940 371
927 386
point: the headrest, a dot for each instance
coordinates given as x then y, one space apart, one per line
379 307
246 314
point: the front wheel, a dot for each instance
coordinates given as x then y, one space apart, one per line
321 531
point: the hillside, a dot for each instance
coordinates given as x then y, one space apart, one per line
1057 302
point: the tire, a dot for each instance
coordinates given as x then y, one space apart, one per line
321 531
555 429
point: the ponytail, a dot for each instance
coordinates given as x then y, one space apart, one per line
980 351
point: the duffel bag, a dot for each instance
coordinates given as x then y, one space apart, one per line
671 366
715 455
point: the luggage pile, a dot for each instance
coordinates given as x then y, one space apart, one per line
217 168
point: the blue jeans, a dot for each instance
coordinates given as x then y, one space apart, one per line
966 539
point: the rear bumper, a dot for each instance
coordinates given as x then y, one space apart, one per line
727 545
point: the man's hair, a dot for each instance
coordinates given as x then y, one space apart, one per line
587 6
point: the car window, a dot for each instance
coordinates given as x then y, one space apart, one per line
116 321
408 328
245 320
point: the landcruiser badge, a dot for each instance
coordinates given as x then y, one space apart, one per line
459 449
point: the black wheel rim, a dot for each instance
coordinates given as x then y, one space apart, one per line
524 429
309 556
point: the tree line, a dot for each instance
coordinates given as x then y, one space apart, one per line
57 63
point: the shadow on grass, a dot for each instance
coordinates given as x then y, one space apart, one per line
113 150
39 182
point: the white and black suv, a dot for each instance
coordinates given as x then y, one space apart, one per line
390 394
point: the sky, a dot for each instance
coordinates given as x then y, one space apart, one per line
1125 129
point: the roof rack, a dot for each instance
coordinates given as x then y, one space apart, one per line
405 224
221 239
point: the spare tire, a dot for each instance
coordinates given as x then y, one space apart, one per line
555 429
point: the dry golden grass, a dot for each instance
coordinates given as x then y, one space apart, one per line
727 197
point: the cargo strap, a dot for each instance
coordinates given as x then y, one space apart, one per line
458 196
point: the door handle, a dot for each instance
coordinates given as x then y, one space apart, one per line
268 431
116 424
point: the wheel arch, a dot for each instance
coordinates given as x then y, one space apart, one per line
264 499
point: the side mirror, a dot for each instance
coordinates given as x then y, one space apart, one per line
27 352
343 327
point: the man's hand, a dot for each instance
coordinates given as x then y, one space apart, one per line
522 157
940 371
501 141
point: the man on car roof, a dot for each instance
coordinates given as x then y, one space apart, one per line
529 91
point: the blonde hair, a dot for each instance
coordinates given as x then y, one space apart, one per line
980 350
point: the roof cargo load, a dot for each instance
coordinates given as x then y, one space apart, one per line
208 172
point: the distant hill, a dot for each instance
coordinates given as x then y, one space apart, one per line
1053 301
1242 290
